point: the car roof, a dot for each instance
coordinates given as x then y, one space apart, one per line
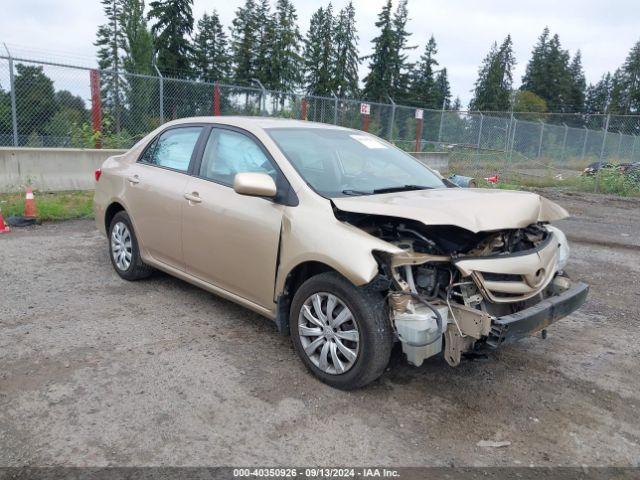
264 123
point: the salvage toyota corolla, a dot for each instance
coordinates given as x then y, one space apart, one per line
346 242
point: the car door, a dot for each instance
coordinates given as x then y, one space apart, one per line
231 240
155 187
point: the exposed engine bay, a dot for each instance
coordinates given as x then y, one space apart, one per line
450 283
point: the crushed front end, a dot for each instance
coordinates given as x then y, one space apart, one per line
455 291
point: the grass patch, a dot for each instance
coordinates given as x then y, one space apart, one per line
51 206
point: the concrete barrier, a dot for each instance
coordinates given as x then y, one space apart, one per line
59 169
50 169
436 160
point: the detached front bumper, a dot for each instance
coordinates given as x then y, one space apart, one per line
512 327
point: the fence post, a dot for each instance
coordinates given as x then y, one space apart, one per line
633 148
619 143
564 141
513 137
393 118
335 108
96 105
263 96
303 108
419 119
604 142
541 135
216 99
479 134
444 103
584 144
14 112
161 93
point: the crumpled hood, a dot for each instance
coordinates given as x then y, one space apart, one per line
473 209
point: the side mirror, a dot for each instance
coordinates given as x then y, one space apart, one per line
254 184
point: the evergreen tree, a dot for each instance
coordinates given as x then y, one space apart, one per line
347 60
286 60
173 24
265 38
400 68
319 52
577 86
211 58
625 88
423 85
492 90
110 41
382 64
443 89
599 95
138 58
619 100
456 106
244 43
548 74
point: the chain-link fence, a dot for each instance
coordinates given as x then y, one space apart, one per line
47 104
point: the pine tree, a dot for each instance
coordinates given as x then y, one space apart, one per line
211 58
548 74
138 57
619 100
347 60
265 38
173 24
244 43
286 60
382 64
625 87
423 85
443 90
319 52
492 90
456 106
578 85
111 43
598 96
400 68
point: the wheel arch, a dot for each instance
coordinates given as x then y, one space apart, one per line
292 282
110 212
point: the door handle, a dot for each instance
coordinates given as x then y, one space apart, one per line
134 179
193 197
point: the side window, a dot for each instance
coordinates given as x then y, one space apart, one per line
228 152
173 148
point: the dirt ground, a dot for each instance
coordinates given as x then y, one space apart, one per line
95 371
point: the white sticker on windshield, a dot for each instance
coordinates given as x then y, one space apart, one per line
368 142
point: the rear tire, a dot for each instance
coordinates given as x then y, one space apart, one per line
367 335
124 251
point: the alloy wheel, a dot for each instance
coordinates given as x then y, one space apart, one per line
121 249
329 333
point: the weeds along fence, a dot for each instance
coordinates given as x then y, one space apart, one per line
52 104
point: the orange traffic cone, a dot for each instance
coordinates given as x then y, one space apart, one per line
4 228
30 209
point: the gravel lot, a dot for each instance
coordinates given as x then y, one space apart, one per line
96 371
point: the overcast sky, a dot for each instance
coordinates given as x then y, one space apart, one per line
464 29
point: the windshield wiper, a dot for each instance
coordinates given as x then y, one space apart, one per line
401 188
355 192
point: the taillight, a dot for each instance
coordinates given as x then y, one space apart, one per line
97 173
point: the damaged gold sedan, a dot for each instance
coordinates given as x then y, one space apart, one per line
346 242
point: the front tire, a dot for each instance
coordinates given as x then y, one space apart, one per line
124 251
340 331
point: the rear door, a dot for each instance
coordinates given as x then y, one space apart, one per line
155 187
231 240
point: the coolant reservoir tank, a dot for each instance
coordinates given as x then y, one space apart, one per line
419 327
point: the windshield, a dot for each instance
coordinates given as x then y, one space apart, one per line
339 163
